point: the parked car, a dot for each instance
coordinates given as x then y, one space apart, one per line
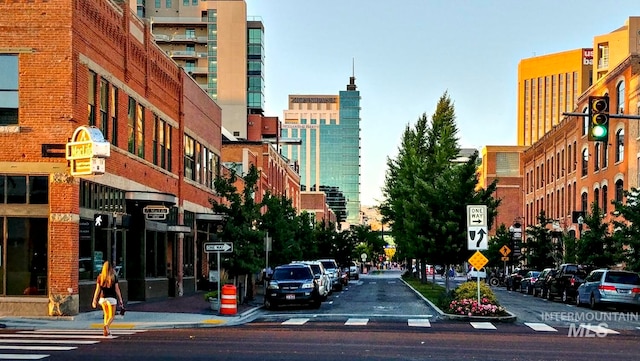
291 284
540 285
527 282
324 281
334 272
515 278
565 282
473 275
354 271
610 287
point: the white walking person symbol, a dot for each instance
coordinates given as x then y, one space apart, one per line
98 221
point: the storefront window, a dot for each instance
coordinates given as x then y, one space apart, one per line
26 255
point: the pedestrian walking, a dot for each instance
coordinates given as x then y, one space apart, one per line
107 294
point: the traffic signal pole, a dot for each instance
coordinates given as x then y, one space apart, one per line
617 116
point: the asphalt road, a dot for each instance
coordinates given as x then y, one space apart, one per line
330 341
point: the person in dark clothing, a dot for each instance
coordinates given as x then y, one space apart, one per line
107 294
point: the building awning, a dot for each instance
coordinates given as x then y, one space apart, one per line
152 197
211 217
179 229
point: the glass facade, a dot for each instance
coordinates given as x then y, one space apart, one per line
255 68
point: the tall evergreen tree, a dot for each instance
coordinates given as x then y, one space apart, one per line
596 246
538 249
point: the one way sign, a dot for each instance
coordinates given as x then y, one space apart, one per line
477 236
223 247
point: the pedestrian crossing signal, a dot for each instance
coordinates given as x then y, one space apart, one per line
101 220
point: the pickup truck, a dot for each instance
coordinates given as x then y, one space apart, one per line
565 282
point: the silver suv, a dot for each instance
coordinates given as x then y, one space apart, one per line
324 281
334 273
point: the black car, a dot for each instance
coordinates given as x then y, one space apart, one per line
514 279
292 284
540 285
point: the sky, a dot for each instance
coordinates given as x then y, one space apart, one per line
405 54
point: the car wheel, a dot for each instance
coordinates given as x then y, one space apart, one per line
494 282
269 305
592 302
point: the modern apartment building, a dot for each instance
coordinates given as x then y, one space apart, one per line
329 155
215 44
548 86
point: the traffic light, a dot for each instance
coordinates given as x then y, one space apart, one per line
598 118
101 221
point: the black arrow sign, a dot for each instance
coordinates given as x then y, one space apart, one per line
478 221
481 233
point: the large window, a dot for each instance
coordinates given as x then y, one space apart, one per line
26 254
91 98
619 145
113 105
19 189
620 97
155 250
189 158
585 162
8 89
104 108
619 190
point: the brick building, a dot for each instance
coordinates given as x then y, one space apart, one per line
73 64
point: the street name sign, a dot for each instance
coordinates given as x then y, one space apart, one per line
221 247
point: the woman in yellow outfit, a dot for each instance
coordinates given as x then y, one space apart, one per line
107 290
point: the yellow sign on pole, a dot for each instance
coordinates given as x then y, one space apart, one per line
505 250
478 260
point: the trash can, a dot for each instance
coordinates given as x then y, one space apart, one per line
228 304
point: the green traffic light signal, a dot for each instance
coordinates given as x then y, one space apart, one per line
598 118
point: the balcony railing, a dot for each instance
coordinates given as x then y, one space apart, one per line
181 38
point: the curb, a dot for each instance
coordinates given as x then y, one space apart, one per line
447 316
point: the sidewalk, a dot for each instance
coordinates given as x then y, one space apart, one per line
176 312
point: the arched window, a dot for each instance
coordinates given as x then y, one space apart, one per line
596 157
620 97
583 200
605 199
619 145
619 190
596 197
585 162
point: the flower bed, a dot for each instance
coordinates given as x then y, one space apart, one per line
471 307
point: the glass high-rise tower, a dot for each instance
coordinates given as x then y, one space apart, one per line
329 154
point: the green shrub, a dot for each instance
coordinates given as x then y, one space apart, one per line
210 294
469 290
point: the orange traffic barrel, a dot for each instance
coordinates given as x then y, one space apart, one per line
228 305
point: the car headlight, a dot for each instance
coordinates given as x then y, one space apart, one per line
307 285
273 285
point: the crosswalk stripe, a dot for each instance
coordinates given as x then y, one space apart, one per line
25 335
419 322
37 348
483 325
79 332
17 356
51 341
357 322
536 326
295 321
600 329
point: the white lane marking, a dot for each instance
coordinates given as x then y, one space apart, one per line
357 322
61 342
295 321
391 282
23 335
536 326
372 282
17 356
37 348
483 325
600 329
419 322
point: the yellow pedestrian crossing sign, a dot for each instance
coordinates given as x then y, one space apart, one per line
505 250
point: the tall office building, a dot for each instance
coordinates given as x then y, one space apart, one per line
211 40
329 155
548 86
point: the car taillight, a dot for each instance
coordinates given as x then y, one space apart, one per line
606 288
573 281
533 279
635 290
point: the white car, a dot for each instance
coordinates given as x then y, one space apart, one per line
324 282
473 275
354 271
